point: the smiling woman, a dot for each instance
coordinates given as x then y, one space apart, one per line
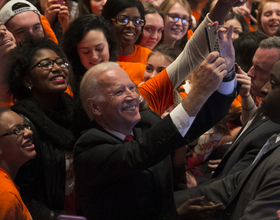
127 20
37 76
269 16
177 20
16 148
153 27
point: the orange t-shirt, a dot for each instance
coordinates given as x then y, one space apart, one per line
237 101
248 21
158 92
190 34
11 204
69 91
135 71
139 55
48 29
196 15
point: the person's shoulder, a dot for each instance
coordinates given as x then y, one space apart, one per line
11 205
93 136
135 71
149 113
124 65
6 185
148 117
142 49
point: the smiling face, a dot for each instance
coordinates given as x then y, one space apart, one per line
270 18
25 23
97 6
237 28
128 34
7 40
263 61
271 101
120 109
93 49
152 31
155 64
174 31
53 81
15 149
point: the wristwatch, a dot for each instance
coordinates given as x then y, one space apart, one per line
230 75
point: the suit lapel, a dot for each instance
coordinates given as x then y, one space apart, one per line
251 168
260 118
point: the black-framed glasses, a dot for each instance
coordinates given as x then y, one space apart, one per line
175 18
124 20
19 129
48 64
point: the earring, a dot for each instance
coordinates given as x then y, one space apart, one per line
29 87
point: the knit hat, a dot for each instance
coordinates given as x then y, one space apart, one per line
14 7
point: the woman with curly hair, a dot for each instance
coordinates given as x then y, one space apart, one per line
38 74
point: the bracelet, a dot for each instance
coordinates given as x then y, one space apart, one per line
247 110
245 96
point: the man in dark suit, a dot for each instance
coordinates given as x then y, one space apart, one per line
256 131
123 177
254 192
258 128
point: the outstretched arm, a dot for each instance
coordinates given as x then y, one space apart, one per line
206 79
196 49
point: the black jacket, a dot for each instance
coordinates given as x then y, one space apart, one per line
42 180
133 180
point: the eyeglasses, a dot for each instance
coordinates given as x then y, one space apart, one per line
48 63
123 20
175 18
18 130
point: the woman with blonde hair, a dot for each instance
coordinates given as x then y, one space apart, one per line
177 20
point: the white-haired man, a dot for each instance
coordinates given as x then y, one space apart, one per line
122 165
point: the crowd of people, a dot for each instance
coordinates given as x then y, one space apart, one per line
116 109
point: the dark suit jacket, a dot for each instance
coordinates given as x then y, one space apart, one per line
133 180
244 150
253 193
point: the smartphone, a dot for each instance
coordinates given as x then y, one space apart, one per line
212 38
70 217
255 6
